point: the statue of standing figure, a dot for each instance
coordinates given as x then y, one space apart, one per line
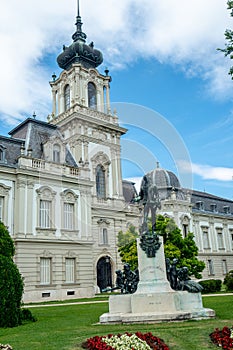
149 196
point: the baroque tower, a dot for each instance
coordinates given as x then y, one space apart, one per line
82 111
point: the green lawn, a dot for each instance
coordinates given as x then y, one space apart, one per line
65 327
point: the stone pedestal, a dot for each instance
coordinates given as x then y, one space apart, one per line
154 300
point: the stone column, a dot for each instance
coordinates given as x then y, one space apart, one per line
83 225
119 174
108 99
21 206
85 146
54 93
114 172
30 208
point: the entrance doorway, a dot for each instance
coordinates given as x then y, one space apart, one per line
104 273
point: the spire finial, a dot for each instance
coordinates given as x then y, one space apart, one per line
78 8
79 35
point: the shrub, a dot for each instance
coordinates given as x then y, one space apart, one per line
11 284
26 315
211 286
11 290
228 280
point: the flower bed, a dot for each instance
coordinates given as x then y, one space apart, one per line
126 341
223 338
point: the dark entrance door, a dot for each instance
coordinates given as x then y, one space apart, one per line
104 273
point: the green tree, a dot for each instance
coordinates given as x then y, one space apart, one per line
11 283
228 50
127 246
175 246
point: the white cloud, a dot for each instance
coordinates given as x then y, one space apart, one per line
185 34
208 172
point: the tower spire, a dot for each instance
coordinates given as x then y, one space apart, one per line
79 35
79 51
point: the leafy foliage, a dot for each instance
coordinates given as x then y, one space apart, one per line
11 283
127 237
228 50
228 281
175 246
127 247
6 243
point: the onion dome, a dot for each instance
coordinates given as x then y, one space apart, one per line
79 51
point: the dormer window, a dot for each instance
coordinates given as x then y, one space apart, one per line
226 209
92 102
67 97
2 154
200 205
56 153
213 208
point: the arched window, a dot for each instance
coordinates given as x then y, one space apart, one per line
92 103
67 97
56 153
100 182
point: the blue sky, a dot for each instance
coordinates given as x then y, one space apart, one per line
161 58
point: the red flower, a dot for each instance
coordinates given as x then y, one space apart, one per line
222 338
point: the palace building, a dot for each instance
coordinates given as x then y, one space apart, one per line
61 188
63 199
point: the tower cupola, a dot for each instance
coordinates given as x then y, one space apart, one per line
79 51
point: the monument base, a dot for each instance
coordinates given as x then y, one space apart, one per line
155 307
154 301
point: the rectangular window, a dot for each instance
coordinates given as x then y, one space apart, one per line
105 236
220 240
45 214
206 243
185 230
45 270
224 267
1 207
70 270
211 267
69 216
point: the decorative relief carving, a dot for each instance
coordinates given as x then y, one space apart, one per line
4 190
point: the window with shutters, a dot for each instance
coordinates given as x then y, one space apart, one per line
45 271
211 267
45 214
46 208
69 216
70 270
206 242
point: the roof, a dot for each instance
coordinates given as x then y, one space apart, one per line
129 191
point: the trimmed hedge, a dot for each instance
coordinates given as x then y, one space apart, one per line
211 286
